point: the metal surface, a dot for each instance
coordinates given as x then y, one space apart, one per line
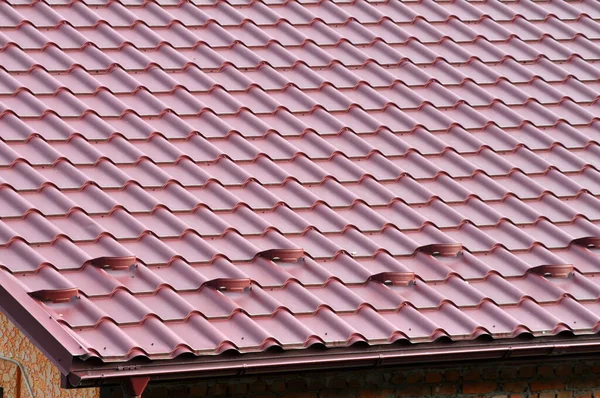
190 180
339 358
134 386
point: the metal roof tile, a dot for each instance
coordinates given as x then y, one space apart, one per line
290 174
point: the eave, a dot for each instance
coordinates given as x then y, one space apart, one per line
518 349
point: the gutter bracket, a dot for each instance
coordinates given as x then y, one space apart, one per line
134 386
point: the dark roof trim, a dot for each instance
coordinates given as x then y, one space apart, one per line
85 375
39 327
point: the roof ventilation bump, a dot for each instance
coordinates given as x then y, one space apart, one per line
442 249
230 284
590 242
114 263
394 278
284 255
553 270
55 295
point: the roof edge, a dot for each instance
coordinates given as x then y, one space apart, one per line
85 375
38 326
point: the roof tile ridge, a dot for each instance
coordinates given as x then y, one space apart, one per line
59 24
213 260
32 3
10 43
27 22
583 15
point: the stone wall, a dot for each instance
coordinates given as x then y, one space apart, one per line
43 375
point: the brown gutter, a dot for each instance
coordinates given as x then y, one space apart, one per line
310 360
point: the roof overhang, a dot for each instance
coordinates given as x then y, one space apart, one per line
40 328
84 375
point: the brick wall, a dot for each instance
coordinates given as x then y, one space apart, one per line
566 379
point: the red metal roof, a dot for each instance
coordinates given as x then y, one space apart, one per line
189 177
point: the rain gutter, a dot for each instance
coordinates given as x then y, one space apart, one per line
270 363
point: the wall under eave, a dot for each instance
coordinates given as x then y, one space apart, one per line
539 378
43 375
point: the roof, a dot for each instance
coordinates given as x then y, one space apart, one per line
194 177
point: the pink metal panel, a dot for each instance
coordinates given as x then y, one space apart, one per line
285 174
